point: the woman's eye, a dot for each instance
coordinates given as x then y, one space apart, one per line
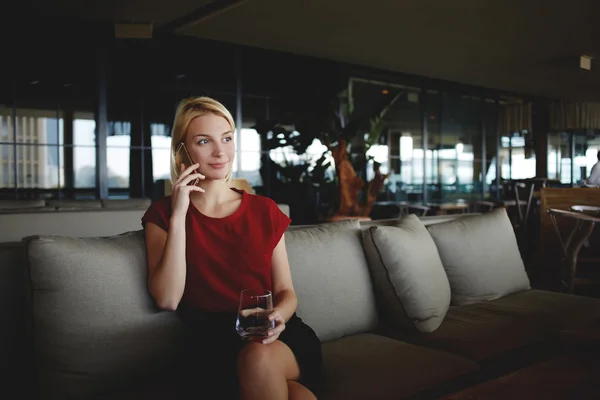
203 141
227 139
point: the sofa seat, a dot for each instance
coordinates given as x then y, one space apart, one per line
369 366
157 388
489 332
363 366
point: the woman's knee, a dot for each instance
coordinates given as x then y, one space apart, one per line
255 357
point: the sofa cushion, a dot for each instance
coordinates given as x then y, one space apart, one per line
13 355
368 366
331 279
410 282
95 325
558 310
494 331
481 257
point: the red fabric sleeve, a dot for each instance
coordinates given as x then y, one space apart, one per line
158 213
280 223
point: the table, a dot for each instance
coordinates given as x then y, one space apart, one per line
446 208
584 226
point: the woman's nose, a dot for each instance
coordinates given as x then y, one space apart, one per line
218 149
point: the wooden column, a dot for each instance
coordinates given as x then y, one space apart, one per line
135 158
68 152
541 127
101 122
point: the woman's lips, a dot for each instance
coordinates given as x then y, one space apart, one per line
217 165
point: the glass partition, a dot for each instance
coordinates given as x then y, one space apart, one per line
571 155
459 153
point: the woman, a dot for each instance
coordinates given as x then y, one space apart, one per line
206 243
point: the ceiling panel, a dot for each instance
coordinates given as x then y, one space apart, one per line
525 46
155 11
516 46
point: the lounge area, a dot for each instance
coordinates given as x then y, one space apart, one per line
458 313
441 173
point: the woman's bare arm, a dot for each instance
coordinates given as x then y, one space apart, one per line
166 263
283 290
166 250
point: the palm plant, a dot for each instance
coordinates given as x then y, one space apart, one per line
348 134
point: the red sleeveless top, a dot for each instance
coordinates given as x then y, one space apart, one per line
225 255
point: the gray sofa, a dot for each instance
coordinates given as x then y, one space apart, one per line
407 308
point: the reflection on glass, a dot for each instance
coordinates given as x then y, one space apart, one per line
515 161
35 126
117 160
250 167
560 162
248 152
459 152
84 151
586 155
287 157
161 155
38 166
380 154
7 167
490 123
404 145
559 159
406 180
39 159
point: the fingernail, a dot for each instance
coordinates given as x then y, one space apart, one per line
270 333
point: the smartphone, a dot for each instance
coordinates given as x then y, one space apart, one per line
182 156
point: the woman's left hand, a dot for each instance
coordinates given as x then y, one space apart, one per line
274 333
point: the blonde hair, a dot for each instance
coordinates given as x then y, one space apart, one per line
187 110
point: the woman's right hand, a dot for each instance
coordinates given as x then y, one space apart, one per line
180 191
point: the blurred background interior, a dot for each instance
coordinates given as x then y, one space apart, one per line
464 107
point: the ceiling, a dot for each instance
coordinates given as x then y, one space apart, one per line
523 46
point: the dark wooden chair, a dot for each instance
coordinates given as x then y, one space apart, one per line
571 241
417 209
554 262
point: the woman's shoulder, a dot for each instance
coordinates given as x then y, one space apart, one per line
266 208
261 202
158 213
161 206
164 203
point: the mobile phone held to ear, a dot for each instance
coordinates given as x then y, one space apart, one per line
182 156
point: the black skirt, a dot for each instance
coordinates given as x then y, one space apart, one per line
213 346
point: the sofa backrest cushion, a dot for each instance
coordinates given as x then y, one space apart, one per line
95 326
481 257
409 278
13 356
331 279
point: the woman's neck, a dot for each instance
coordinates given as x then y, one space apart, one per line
216 193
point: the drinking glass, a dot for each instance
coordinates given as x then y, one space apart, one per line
253 314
